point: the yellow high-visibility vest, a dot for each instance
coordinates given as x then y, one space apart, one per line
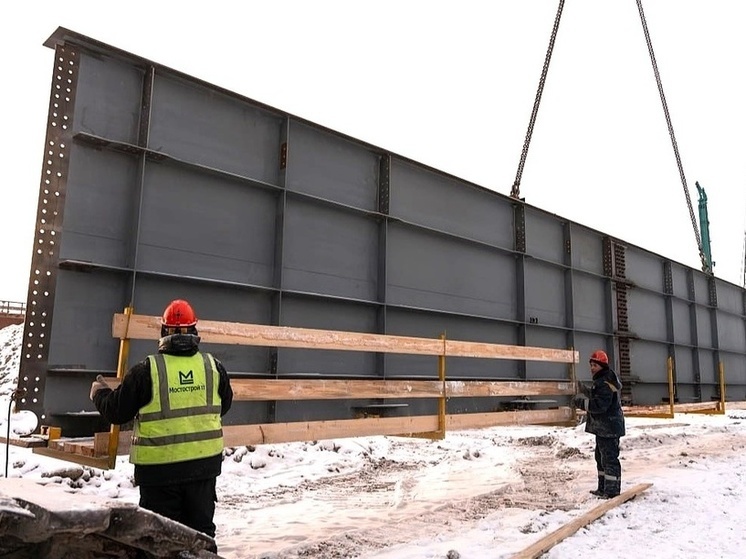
182 420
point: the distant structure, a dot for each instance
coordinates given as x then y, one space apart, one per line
12 313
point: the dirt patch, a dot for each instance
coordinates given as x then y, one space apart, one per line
390 503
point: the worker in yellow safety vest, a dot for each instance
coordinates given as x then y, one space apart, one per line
176 399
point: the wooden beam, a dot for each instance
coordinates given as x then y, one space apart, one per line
481 388
328 389
456 348
518 417
83 450
549 541
340 389
29 441
95 462
272 433
236 333
692 407
101 443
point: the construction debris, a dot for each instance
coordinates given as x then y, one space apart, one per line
47 522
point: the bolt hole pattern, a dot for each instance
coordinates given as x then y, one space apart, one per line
34 358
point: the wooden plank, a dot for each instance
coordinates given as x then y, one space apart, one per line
329 389
326 389
69 446
87 450
102 463
691 407
236 333
73 445
697 407
238 435
549 541
647 411
297 431
456 348
517 417
477 388
101 444
282 389
25 442
272 433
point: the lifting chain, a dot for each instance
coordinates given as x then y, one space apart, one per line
702 257
515 192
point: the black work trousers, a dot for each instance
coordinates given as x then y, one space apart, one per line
607 458
191 504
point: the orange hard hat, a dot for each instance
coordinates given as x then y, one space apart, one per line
179 314
599 356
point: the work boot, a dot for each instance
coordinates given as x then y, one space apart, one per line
612 488
600 491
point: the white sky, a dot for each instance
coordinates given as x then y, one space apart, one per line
279 498
450 85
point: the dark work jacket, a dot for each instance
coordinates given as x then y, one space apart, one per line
136 390
605 417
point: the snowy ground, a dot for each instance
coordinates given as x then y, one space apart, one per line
478 494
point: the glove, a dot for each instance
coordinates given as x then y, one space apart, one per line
98 384
580 402
583 389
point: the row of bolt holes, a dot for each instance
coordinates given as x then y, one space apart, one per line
43 220
45 201
51 154
43 231
40 347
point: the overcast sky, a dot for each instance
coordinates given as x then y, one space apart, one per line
451 85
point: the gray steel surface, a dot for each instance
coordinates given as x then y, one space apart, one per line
157 186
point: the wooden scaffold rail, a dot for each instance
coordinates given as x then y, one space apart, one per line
128 326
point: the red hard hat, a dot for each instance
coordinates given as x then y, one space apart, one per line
599 356
179 314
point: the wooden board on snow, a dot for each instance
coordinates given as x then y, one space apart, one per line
549 541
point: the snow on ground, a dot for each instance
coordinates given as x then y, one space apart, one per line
478 494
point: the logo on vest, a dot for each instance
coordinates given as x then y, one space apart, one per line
186 384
